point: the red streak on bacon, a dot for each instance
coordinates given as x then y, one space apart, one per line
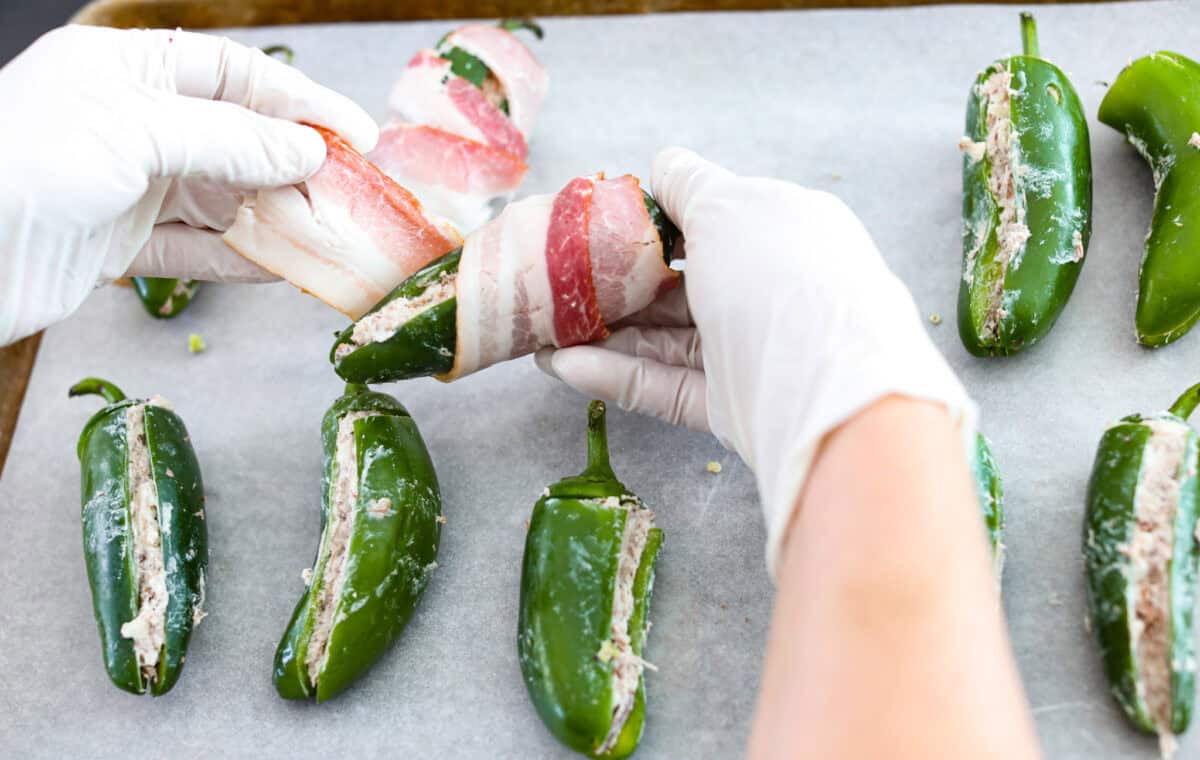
499 131
577 317
437 157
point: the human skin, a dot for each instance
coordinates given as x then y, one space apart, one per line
888 637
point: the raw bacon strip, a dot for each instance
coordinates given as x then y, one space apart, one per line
508 297
620 222
576 313
428 93
522 77
347 235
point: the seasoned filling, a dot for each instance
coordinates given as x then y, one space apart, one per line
627 667
1000 151
381 325
494 91
148 629
343 496
1150 553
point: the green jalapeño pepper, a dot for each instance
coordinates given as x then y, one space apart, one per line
991 499
471 68
144 540
1027 201
1155 101
412 331
164 298
380 525
1140 549
585 596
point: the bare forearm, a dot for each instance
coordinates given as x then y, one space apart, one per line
888 639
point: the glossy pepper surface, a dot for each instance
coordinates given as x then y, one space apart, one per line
381 522
1027 201
1140 550
424 344
144 536
990 490
164 298
586 582
1155 101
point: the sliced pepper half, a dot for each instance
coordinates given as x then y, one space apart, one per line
586 583
145 543
1141 552
381 523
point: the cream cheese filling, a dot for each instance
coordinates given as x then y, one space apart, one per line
335 542
1150 551
627 667
381 325
1000 150
148 628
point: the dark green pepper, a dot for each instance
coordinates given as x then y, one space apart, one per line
144 539
164 298
1155 101
380 526
424 342
991 499
1140 550
586 582
1027 201
470 67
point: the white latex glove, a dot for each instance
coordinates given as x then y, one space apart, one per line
798 325
119 142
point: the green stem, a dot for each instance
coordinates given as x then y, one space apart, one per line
597 444
1186 404
353 389
94 385
288 54
1029 37
513 24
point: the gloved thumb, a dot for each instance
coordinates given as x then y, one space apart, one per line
227 144
677 177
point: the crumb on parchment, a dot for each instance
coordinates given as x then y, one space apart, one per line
196 344
935 319
713 467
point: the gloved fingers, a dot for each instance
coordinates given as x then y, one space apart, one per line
669 310
677 176
227 144
189 253
200 202
674 394
676 346
217 68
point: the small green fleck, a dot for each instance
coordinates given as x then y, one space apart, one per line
196 344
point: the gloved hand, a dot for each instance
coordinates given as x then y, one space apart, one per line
798 325
119 142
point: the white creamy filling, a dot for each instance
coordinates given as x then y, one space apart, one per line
335 542
381 325
148 629
1011 233
627 667
1150 551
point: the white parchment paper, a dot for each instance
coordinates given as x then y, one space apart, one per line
868 104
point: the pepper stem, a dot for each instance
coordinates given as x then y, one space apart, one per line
1186 404
288 54
94 385
597 444
513 24
1029 37
353 389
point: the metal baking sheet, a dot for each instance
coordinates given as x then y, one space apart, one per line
868 104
